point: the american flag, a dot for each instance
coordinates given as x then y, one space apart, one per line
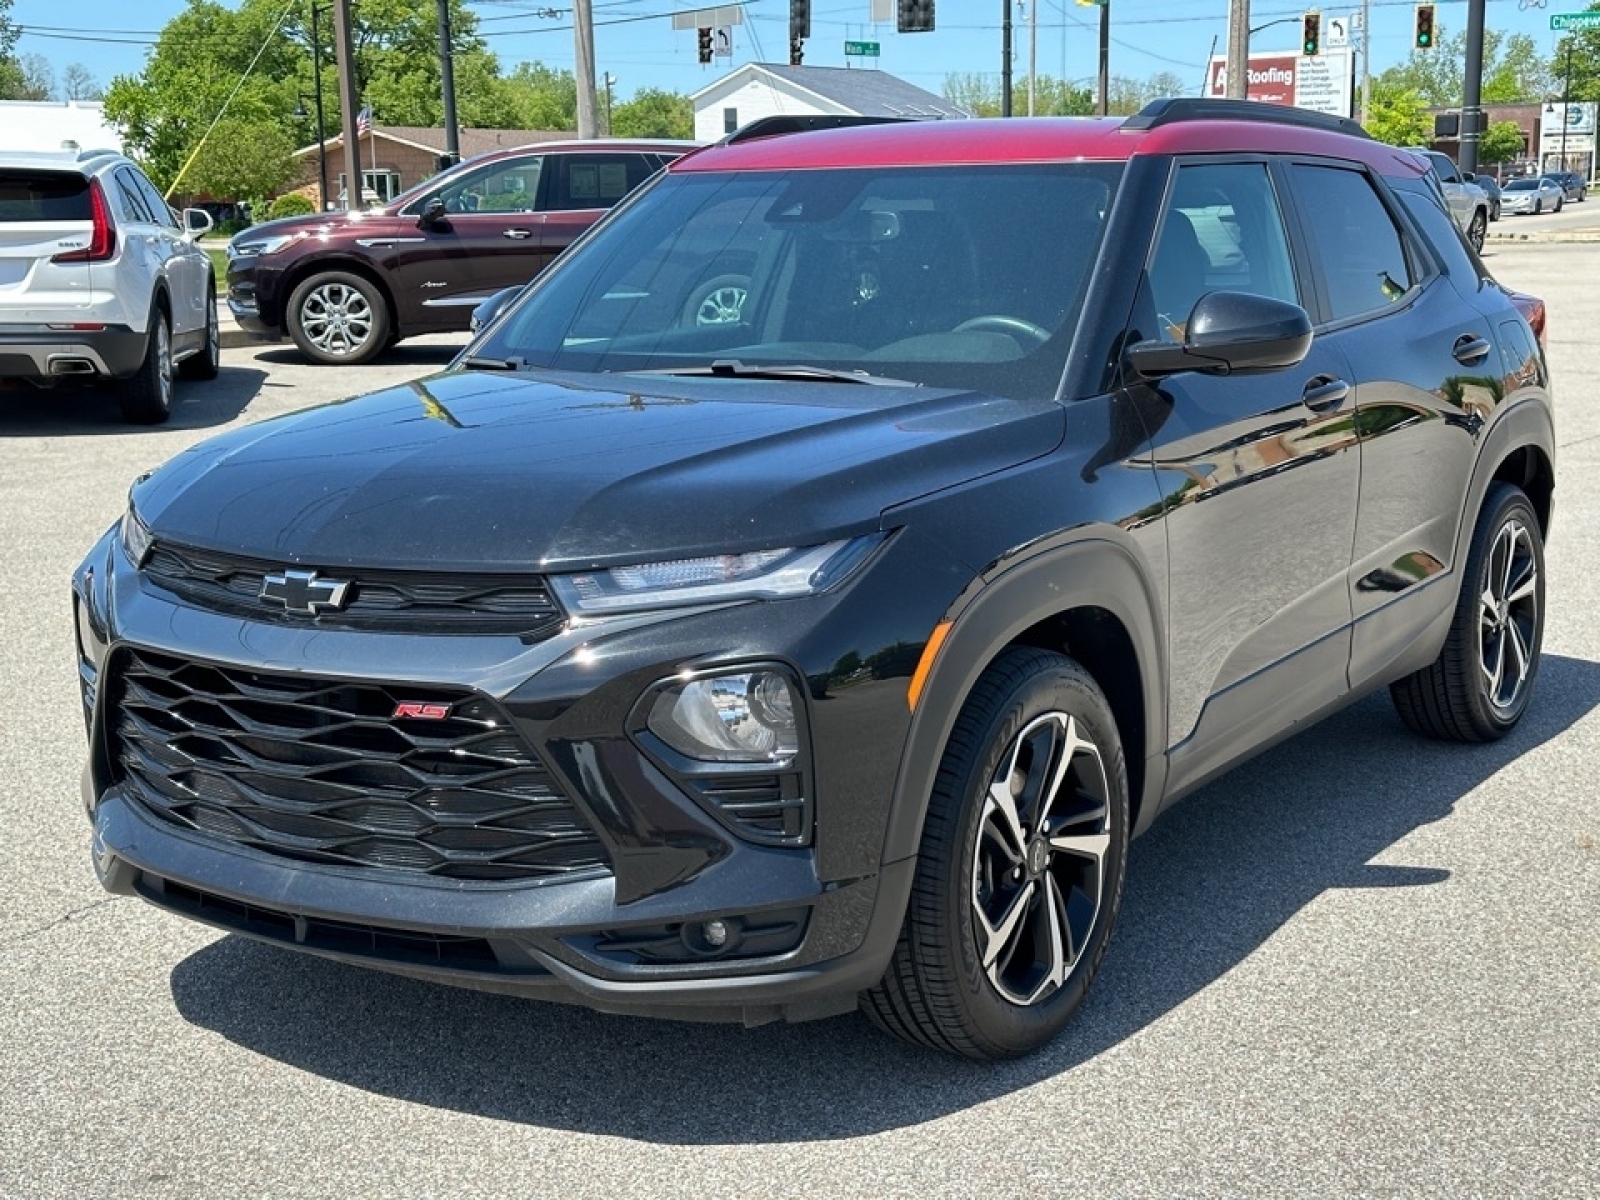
364 120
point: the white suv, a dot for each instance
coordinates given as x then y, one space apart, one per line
99 281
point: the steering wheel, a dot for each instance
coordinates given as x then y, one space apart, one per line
1001 323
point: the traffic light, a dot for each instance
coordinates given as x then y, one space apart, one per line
1424 27
705 46
797 52
915 16
799 19
1311 43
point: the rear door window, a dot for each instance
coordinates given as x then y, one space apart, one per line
579 181
1358 246
49 196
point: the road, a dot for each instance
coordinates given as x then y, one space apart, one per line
1361 965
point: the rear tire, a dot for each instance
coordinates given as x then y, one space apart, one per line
1020 870
1476 229
146 397
208 362
1479 686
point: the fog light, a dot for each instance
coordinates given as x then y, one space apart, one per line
748 716
715 934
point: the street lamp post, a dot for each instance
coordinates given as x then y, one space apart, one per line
316 88
301 113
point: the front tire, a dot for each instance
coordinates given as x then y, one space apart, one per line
146 398
338 318
1020 869
1479 686
1476 229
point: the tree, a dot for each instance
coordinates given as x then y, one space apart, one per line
1398 115
542 97
1576 65
1514 72
980 95
78 84
654 113
1501 142
242 158
37 80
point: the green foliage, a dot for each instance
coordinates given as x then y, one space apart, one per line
242 158
505 202
1514 72
980 95
1501 142
1398 115
542 97
290 204
1583 47
654 113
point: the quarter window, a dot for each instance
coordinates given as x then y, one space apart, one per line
1360 250
1223 231
133 203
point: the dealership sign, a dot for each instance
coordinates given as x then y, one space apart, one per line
1321 82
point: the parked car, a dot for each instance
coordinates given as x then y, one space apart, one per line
1531 194
1468 203
346 285
101 281
1573 185
759 668
1490 187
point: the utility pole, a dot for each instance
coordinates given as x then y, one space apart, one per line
1472 90
447 80
1033 56
583 66
1366 59
1566 100
316 86
1238 49
1005 58
344 55
1105 56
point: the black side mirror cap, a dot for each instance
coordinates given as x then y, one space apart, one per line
1228 332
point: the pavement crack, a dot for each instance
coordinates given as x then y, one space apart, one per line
65 918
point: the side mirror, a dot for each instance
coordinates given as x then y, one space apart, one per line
196 222
432 214
1228 332
491 308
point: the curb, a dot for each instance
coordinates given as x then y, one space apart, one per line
230 336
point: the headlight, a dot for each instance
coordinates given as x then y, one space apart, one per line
761 575
135 535
745 716
269 244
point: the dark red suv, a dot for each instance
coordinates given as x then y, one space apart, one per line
346 285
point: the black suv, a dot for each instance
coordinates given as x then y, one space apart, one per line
832 650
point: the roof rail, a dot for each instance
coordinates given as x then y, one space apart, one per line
1191 108
802 123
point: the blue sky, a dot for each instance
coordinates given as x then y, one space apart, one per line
635 42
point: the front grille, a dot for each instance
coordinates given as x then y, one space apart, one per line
319 771
397 601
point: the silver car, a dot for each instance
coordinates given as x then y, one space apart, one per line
1531 194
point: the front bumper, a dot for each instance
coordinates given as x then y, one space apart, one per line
813 925
253 298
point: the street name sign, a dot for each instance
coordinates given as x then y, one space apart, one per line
1575 21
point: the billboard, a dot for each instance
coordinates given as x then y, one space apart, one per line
1321 83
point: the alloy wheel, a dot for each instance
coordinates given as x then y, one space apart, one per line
1508 615
164 363
721 306
1039 864
336 319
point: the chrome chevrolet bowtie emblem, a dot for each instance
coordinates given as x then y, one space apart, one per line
303 592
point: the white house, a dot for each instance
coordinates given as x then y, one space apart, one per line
46 124
768 89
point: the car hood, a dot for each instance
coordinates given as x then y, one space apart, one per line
322 224
487 471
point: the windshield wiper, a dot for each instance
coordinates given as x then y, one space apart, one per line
479 363
732 368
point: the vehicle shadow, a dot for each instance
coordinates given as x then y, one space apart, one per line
66 411
1248 853
424 355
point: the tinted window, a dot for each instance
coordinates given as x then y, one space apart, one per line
1355 240
158 208
595 180
897 272
1441 232
507 185
1223 231
132 200
1446 168
30 196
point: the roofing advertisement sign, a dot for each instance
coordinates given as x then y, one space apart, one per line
1321 83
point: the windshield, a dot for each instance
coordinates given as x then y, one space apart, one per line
1522 185
965 277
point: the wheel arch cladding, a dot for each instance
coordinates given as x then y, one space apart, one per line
1088 600
1528 468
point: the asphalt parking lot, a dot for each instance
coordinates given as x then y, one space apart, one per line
1361 965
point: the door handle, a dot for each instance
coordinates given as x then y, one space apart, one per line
1324 393
517 235
1470 349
